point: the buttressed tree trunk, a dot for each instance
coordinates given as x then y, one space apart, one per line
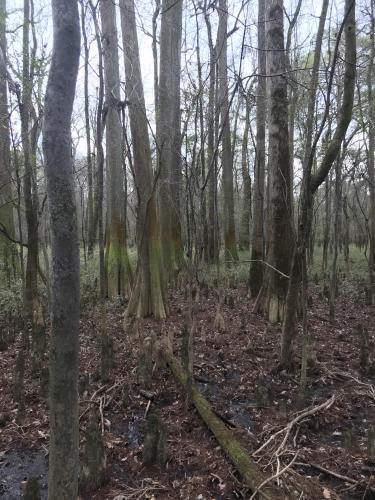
117 259
311 182
63 398
169 134
148 292
6 206
281 237
226 155
257 239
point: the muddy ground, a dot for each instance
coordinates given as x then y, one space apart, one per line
332 451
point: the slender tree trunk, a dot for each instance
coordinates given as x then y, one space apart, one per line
257 239
63 399
119 274
244 241
327 218
227 157
31 197
311 182
91 231
99 195
6 203
281 227
148 295
213 244
371 151
202 192
336 235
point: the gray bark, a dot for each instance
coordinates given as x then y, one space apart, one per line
281 229
117 260
257 236
64 432
227 157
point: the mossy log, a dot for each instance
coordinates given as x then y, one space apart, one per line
244 464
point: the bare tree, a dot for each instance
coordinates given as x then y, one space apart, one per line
311 182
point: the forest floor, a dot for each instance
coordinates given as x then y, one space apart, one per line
333 449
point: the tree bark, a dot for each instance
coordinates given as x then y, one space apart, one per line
119 274
244 240
64 431
29 186
311 182
169 135
257 237
213 243
91 231
148 295
226 155
281 226
371 151
6 203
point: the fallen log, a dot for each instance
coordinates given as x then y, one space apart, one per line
245 465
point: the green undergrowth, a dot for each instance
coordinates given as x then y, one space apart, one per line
353 278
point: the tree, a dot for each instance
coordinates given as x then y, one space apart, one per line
148 292
371 148
6 203
30 185
281 230
119 275
213 241
226 155
168 134
311 182
244 239
63 401
91 228
257 237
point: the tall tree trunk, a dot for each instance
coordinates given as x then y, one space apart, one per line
6 203
119 275
336 234
257 238
327 220
311 182
371 151
213 244
91 230
244 240
281 228
63 399
226 155
99 188
169 135
30 194
203 246
148 295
